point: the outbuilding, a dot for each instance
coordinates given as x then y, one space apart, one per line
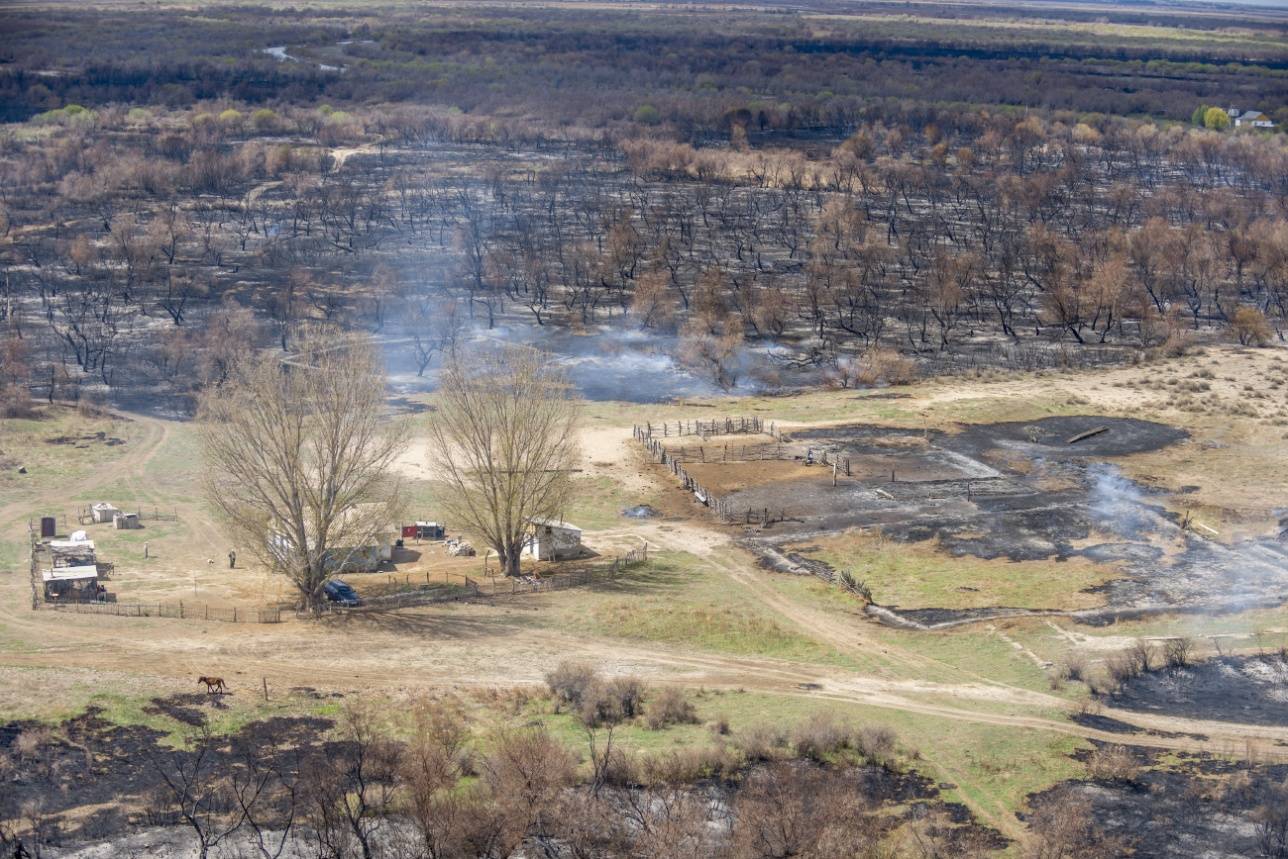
553 541
104 513
126 521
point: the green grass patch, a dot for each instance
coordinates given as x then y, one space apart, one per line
919 575
677 600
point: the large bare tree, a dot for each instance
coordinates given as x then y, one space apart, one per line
298 456
504 440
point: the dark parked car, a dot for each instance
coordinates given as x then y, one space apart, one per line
340 593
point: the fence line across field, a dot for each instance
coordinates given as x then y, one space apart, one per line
180 610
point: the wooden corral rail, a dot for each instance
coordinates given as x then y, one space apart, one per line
647 435
180 610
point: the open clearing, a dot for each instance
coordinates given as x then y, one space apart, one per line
979 700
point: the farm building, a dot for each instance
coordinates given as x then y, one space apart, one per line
425 531
553 541
104 513
70 569
366 557
126 521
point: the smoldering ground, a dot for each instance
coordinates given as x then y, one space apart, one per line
1024 492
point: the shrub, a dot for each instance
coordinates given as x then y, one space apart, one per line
647 114
608 702
15 402
1121 668
760 743
1112 763
877 745
688 765
670 707
1177 652
1074 667
820 737
1251 327
569 681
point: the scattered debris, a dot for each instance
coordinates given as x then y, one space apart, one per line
641 511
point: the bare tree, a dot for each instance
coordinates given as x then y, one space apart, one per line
505 441
298 456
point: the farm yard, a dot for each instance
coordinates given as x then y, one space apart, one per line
707 612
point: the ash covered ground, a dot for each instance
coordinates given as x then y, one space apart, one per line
1201 807
1020 491
1251 690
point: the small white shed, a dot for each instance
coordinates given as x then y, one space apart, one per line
104 513
553 541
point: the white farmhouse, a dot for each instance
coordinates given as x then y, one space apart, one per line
1248 118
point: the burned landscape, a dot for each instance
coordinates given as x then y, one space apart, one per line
1031 491
622 430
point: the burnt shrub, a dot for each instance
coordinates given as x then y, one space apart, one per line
1178 652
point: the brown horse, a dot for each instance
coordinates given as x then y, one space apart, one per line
213 684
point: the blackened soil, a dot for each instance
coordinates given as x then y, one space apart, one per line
89 761
1202 808
1048 438
1245 689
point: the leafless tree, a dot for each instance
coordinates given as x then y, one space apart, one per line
504 440
298 455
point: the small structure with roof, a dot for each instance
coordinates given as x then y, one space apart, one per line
553 541
103 513
69 569
1248 118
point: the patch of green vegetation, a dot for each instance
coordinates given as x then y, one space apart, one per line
58 445
676 599
918 575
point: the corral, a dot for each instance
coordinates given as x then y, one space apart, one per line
1043 490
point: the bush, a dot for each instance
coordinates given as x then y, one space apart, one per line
15 402
1251 327
1112 763
688 765
820 737
1074 668
569 681
1121 668
877 745
1178 652
670 707
609 702
647 114
760 743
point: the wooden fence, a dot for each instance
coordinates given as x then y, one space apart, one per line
180 610
674 459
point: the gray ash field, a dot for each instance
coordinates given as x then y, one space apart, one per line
1029 491
1182 810
1251 690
